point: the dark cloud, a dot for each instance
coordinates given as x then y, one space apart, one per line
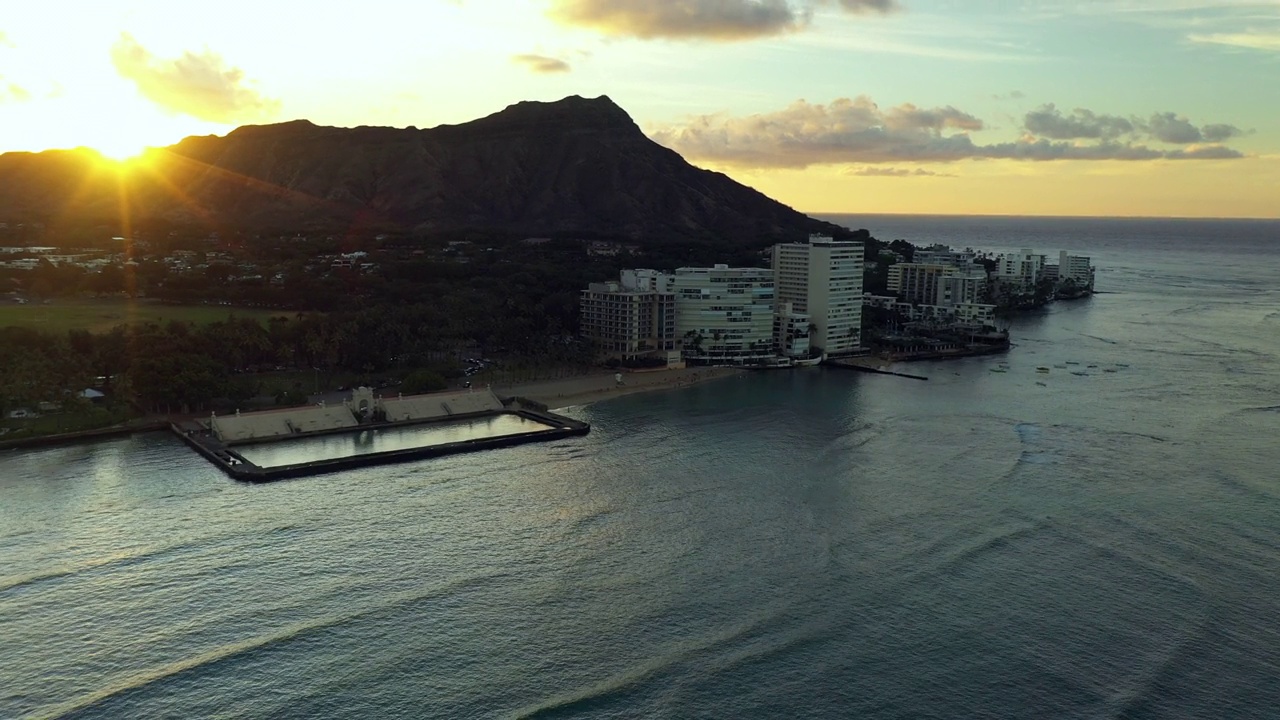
1205 152
1177 130
1170 128
894 172
701 19
1219 132
910 117
872 6
542 63
859 131
199 85
1047 121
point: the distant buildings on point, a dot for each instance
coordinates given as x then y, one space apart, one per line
809 303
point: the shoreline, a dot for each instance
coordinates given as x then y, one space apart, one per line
588 389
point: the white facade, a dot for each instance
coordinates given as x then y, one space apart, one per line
965 313
648 280
823 278
725 315
1076 268
957 288
916 282
943 255
791 331
1021 269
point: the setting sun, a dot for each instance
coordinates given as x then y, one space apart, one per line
123 150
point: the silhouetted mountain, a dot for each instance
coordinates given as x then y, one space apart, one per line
572 166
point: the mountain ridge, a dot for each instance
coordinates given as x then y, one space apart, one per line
576 165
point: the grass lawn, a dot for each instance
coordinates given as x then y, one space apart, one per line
88 418
101 315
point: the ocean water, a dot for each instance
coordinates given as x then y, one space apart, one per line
811 543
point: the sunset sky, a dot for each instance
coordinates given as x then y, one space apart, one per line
1039 107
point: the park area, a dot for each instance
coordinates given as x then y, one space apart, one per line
102 315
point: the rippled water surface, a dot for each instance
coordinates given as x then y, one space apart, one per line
797 544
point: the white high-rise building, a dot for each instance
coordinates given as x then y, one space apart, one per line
1021 269
724 315
823 278
1076 268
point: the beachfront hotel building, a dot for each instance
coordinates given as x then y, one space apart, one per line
724 315
791 332
1077 268
1020 270
823 279
960 287
970 315
632 317
916 282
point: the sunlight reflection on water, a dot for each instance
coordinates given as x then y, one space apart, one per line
330 447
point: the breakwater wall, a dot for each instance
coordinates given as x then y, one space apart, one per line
868 365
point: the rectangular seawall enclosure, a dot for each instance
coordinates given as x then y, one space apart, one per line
365 430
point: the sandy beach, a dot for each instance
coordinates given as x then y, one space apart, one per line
594 388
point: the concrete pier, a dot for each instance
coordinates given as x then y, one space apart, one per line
868 365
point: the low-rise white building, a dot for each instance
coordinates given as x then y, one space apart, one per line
944 255
968 314
791 329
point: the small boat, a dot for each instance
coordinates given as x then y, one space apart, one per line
1042 384
1109 370
1093 366
1072 362
1000 370
1081 374
1121 365
1042 369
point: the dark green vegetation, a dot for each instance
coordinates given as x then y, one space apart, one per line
414 318
102 314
